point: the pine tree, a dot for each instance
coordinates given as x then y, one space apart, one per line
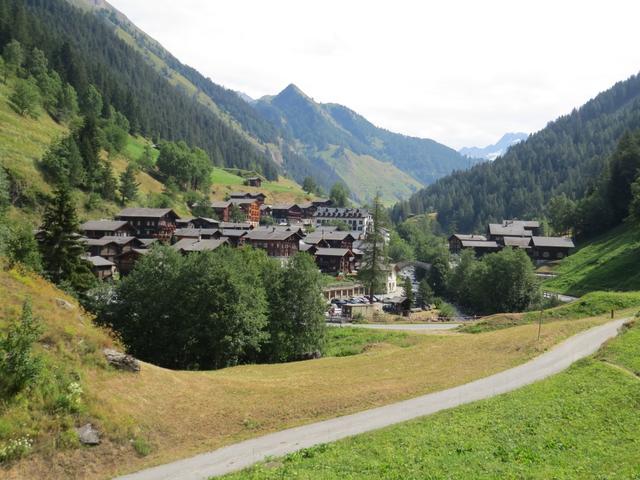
408 290
60 247
128 186
374 263
14 58
425 293
25 99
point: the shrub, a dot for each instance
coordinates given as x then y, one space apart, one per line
19 367
15 449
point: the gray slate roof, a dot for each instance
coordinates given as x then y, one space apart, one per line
98 261
333 252
103 225
479 244
557 242
146 212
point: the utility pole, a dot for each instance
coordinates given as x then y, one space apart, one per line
539 325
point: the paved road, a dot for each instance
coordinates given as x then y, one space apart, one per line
412 327
244 454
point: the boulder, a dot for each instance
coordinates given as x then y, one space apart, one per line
62 303
88 435
121 361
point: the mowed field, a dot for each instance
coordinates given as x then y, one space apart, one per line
581 424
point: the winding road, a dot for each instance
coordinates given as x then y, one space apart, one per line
249 452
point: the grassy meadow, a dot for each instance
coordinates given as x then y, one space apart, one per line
582 423
608 262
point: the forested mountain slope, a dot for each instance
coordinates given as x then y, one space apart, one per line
86 50
333 134
566 156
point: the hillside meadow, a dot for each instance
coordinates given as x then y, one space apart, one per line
160 415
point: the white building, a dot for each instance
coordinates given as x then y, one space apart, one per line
358 219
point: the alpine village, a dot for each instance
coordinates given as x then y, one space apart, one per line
198 284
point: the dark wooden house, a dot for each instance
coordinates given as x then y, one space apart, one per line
551 248
107 228
102 268
254 182
151 222
335 260
277 243
260 197
110 247
286 213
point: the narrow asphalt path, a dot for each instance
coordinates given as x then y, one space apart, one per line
410 327
247 453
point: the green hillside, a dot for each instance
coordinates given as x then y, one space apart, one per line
608 262
364 175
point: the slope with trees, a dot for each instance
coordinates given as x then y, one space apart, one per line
565 157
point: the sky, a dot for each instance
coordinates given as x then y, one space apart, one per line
460 72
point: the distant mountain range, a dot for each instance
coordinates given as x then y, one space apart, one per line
302 137
491 152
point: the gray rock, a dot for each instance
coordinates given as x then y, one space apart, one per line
88 435
62 303
121 361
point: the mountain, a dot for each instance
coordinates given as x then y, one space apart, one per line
566 157
288 133
365 157
491 152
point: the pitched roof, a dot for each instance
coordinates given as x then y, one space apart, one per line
511 230
189 245
230 232
275 235
100 242
333 252
315 237
236 226
220 204
103 225
284 206
305 247
520 242
557 242
479 244
194 232
98 261
246 195
462 236
146 212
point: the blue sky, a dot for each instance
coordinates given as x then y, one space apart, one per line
460 72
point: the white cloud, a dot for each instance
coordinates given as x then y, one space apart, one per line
461 72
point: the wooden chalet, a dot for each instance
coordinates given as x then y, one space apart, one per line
456 241
308 209
222 209
512 228
197 233
335 260
107 228
277 243
197 222
286 213
322 202
254 182
151 222
398 305
110 247
127 260
551 248
102 268
235 237
250 207
260 197
334 239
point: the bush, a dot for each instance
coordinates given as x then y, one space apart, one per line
15 449
19 367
